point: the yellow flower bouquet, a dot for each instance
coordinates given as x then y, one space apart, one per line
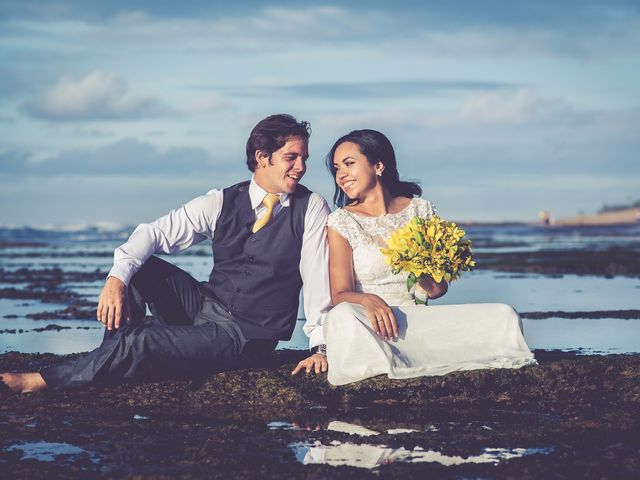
433 247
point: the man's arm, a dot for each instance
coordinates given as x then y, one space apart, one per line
314 270
179 229
172 233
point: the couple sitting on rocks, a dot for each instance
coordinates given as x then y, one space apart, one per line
272 237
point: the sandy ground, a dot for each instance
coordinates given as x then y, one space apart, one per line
626 216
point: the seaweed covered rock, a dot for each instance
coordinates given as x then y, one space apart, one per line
569 416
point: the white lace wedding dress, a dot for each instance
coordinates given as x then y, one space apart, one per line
433 339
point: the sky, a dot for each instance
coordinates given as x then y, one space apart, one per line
117 112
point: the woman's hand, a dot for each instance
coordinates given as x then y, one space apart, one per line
341 279
432 288
382 319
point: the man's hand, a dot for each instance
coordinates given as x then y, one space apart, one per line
315 363
112 306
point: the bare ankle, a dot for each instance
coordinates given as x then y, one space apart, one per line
24 382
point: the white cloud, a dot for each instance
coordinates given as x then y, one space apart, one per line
124 157
97 96
130 156
131 17
267 29
206 103
512 107
342 68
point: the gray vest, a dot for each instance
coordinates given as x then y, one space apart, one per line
257 275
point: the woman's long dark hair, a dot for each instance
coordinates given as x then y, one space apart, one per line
377 148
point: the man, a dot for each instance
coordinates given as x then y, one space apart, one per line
268 240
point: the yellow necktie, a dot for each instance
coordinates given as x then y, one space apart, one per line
269 201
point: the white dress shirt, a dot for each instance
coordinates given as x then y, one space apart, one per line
196 221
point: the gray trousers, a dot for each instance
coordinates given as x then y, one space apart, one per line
189 334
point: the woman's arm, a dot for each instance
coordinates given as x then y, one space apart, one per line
342 284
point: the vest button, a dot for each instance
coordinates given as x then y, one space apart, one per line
253 239
250 257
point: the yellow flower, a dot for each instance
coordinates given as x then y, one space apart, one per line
433 247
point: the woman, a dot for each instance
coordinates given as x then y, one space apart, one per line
375 327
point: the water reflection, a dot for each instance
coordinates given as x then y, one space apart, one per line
585 336
372 456
61 342
50 451
588 336
22 308
545 293
352 429
526 293
338 426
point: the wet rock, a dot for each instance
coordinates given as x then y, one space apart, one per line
609 262
579 412
48 276
17 243
51 327
70 313
48 295
47 285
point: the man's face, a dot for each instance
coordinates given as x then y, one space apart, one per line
283 171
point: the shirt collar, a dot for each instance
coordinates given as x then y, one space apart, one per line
257 194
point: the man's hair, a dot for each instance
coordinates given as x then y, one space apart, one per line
271 133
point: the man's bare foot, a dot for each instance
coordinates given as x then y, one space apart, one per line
23 382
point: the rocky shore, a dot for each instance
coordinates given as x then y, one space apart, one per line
572 416
608 262
568 417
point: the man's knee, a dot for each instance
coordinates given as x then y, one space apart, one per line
150 275
149 269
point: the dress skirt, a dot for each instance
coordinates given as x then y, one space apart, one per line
432 340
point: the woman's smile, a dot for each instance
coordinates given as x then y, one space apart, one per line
346 184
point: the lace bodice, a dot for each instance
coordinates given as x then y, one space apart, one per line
367 235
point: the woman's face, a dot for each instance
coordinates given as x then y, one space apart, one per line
354 174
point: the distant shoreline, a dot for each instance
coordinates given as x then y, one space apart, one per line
628 216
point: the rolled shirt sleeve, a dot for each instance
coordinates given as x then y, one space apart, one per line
192 223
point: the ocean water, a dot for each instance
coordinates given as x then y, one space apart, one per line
84 255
